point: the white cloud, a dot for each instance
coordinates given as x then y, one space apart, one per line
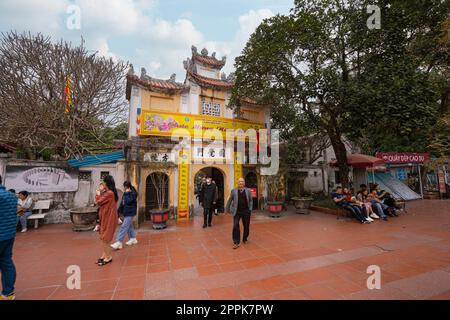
149 41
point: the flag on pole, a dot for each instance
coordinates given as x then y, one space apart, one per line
68 94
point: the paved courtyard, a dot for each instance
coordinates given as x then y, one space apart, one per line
295 257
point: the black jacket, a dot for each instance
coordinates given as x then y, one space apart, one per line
128 205
209 195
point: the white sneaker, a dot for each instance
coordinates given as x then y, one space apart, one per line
131 242
117 245
375 216
369 219
24 230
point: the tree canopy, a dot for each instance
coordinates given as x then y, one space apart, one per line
322 69
34 72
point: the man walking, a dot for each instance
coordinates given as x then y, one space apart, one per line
209 198
8 221
240 204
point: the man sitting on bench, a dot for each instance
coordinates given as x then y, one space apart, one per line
340 200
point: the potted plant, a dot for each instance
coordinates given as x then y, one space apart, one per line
160 215
275 198
303 203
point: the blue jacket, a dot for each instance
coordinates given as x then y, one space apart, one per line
128 205
8 214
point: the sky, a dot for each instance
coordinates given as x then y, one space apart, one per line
155 34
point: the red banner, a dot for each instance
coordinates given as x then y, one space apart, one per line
405 157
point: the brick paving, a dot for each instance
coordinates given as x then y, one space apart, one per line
294 257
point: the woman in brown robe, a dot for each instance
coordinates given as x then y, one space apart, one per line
106 197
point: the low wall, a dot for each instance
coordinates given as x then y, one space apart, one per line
61 202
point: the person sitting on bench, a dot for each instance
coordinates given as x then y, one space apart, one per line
24 207
340 200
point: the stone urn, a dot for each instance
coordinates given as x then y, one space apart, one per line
302 205
83 219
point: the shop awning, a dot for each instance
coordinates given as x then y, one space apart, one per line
357 160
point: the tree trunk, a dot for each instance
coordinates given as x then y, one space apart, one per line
444 102
341 156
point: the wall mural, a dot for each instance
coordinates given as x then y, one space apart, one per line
41 179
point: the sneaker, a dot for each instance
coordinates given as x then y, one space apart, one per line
374 216
235 246
131 242
117 245
366 222
24 230
370 219
11 296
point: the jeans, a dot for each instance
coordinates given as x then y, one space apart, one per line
236 227
7 268
207 215
126 228
356 211
379 208
23 219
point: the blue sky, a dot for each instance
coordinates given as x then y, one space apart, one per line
155 34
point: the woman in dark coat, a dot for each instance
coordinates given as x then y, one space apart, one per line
106 197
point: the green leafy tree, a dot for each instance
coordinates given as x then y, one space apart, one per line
323 66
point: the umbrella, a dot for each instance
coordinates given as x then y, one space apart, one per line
358 160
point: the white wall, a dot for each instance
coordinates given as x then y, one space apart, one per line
134 103
86 190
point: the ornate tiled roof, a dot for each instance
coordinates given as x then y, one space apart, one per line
166 86
209 82
205 59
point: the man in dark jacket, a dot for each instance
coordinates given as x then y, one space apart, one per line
240 205
8 222
209 198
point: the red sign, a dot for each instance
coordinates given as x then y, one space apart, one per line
407 157
253 191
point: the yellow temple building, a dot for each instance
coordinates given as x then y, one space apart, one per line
159 107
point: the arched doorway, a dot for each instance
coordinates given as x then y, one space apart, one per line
218 177
251 182
155 180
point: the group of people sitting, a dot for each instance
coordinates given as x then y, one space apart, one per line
367 205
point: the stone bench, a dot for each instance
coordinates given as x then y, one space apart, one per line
39 206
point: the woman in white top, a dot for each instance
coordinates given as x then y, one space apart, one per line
24 207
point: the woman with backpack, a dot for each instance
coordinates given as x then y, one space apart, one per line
127 208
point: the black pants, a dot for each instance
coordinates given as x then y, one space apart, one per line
236 227
207 215
358 212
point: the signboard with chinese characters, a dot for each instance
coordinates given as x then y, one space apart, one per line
183 186
406 157
159 157
164 124
211 153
